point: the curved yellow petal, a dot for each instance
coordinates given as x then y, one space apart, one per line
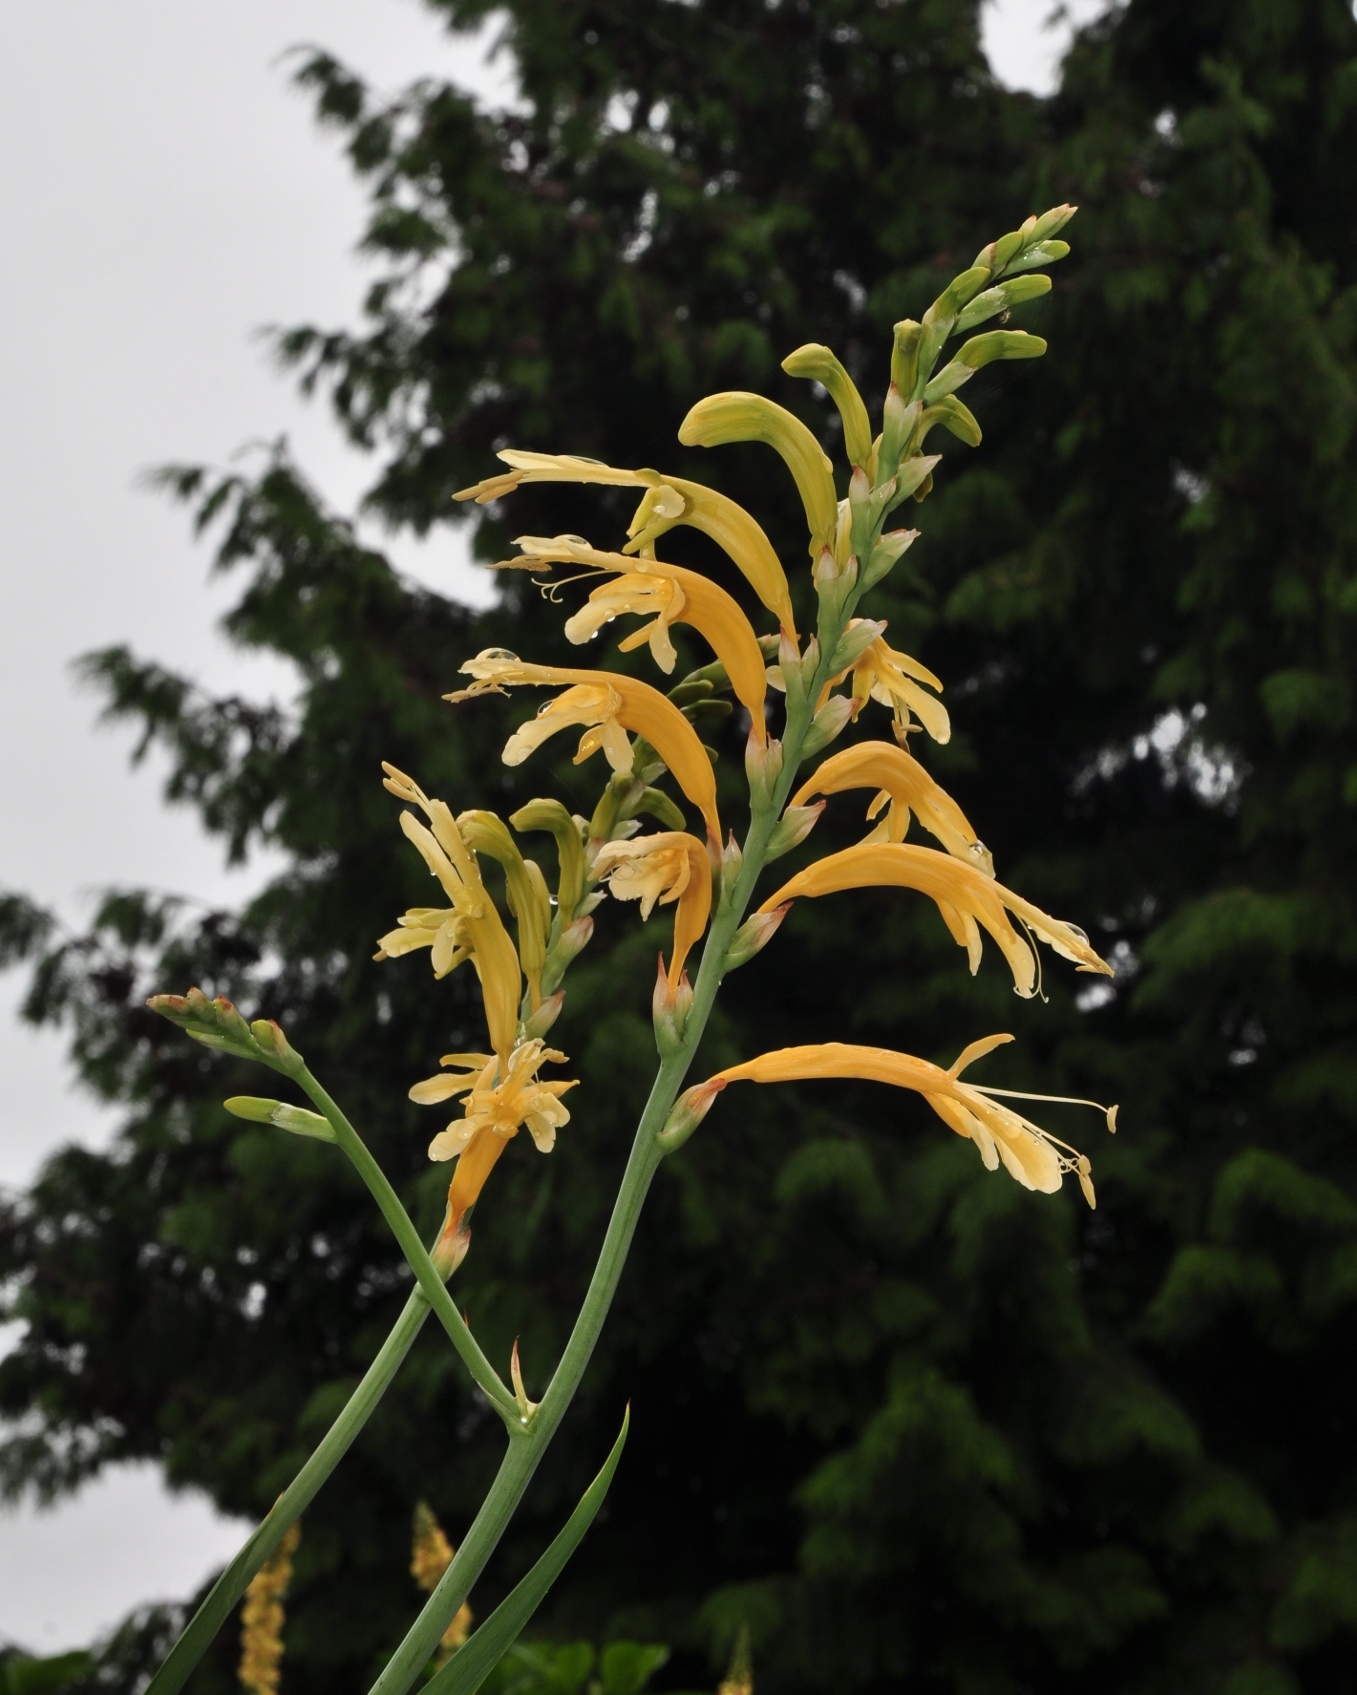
738 416
528 467
971 896
739 535
818 364
1028 1153
884 766
669 866
702 603
640 709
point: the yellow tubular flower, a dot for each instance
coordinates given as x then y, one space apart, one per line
677 501
737 416
551 468
666 867
525 887
818 364
472 928
610 704
884 674
906 787
965 897
668 594
262 1619
501 1097
1032 1155
670 501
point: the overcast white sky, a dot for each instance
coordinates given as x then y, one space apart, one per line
165 195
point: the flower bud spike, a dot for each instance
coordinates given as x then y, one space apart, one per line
688 1111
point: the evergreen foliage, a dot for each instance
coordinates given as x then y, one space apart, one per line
914 1429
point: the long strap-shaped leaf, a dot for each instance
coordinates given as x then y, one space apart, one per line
470 1666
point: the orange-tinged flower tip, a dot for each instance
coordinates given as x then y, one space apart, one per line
967 899
1034 1157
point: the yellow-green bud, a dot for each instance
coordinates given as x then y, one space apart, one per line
754 935
669 1008
905 356
885 554
795 824
827 724
688 1111
294 1118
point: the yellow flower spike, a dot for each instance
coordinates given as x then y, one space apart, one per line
472 928
262 1618
1030 1154
502 1098
430 1556
737 416
965 897
611 704
906 787
670 594
819 365
667 867
884 674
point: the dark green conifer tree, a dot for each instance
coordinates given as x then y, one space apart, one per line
919 1429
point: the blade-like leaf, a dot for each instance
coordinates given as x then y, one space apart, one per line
470 1665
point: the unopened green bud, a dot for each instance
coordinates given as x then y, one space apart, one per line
795 824
572 941
953 416
913 473
268 1034
688 1111
1044 253
885 554
545 1016
293 1118
754 935
854 642
898 418
1001 299
1052 222
980 350
763 766
732 863
997 255
905 356
670 1006
827 724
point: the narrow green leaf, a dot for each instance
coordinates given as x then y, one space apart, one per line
470 1665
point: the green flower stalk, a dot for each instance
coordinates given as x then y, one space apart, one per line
689 866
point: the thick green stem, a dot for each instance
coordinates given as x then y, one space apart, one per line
523 1456
290 1505
435 1291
